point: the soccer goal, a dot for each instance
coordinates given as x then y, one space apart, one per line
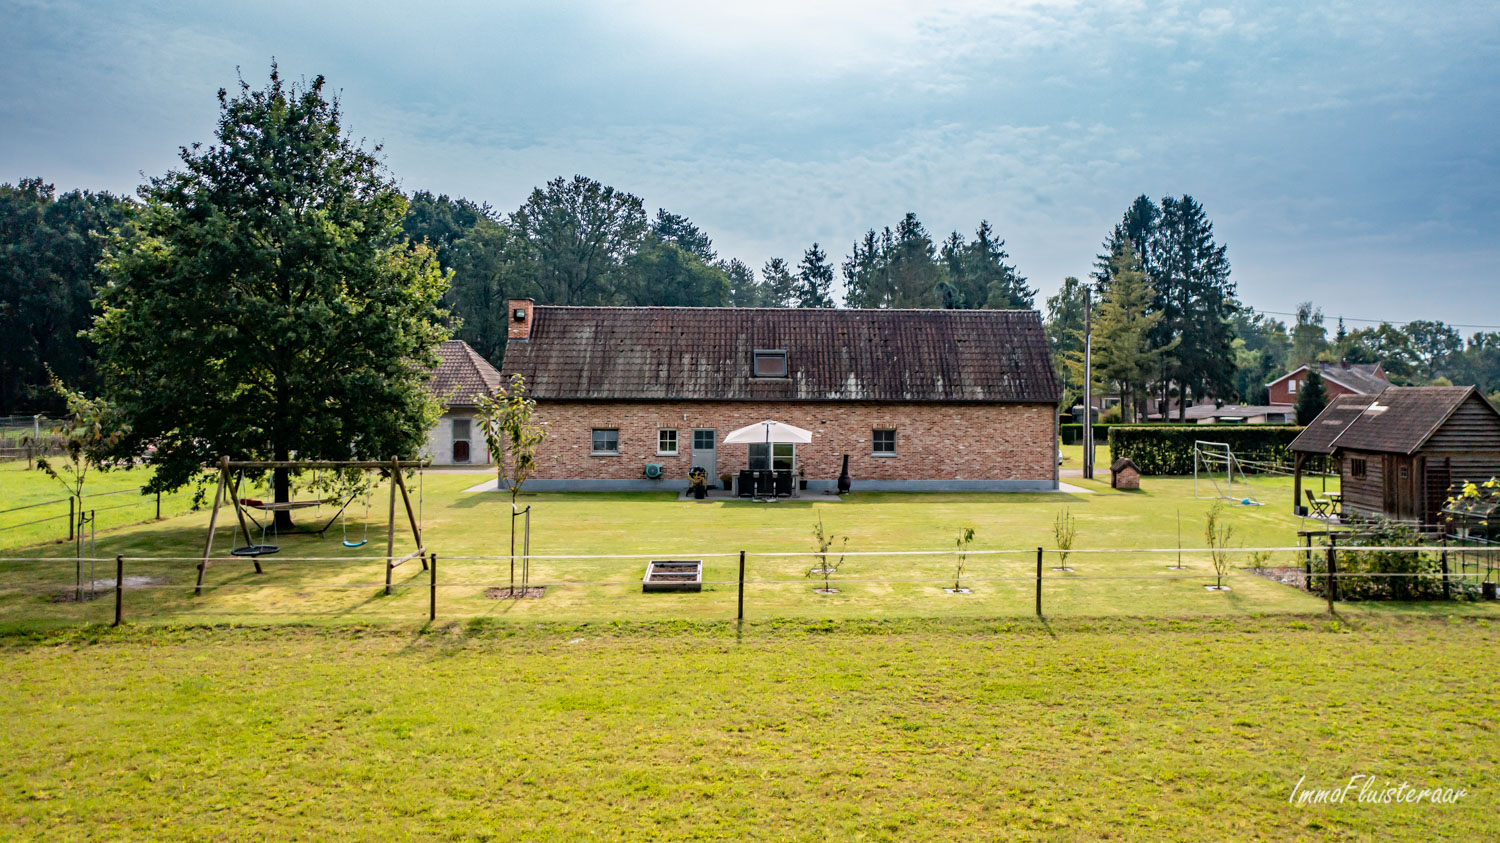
1218 473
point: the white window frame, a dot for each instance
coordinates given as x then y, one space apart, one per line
1291 387
874 438
661 433
593 442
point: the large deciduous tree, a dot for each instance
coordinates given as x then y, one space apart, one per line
269 303
577 237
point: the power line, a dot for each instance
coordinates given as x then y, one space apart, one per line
1381 321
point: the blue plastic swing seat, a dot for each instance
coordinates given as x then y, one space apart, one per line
360 543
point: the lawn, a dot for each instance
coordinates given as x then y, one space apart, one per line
37 505
1194 729
776 537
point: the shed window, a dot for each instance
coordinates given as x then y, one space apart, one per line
666 441
884 443
606 441
1357 468
1291 386
770 363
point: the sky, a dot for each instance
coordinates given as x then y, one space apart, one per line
1347 152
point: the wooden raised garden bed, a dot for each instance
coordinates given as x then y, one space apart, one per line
673 576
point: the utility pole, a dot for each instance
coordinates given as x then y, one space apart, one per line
1088 383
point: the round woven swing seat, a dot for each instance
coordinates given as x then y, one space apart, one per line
254 550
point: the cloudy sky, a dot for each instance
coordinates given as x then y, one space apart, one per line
1347 152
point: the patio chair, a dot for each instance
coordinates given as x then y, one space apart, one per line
765 484
783 484
746 487
1321 507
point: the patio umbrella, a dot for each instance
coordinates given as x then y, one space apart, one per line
768 432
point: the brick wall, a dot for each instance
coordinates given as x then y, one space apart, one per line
1281 392
934 442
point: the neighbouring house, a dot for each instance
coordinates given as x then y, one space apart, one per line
1399 451
1124 475
1240 414
461 378
1338 379
917 399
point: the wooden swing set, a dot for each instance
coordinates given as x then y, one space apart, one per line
230 481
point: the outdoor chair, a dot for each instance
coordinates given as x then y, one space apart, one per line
765 484
783 484
1321 507
746 488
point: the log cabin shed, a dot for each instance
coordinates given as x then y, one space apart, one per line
1399 451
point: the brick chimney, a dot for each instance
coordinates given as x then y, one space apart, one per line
519 320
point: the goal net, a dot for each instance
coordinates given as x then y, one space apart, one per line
1218 473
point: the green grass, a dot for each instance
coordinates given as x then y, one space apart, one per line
108 493
1196 729
776 538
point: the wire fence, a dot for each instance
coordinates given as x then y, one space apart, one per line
733 585
59 519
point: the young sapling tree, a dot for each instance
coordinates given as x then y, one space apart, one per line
1064 533
965 538
827 566
512 434
1218 534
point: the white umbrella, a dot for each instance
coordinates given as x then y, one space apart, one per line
768 431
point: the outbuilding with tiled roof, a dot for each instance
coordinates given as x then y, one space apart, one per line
1399 451
461 378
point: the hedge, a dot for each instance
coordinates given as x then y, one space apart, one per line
1072 434
1168 449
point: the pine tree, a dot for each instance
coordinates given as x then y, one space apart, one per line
778 285
1124 357
815 279
743 290
1195 296
1311 398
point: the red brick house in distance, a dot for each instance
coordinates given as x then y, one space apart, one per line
920 400
1338 379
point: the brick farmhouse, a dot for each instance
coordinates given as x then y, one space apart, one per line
918 399
462 376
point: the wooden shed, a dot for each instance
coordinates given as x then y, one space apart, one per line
1398 451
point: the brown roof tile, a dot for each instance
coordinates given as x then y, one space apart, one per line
675 353
462 376
1401 418
1318 437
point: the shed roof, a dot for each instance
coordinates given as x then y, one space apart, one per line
1399 420
1318 437
1123 463
462 376
686 353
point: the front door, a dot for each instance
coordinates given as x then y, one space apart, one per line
705 452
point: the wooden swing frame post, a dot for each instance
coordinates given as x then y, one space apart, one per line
226 481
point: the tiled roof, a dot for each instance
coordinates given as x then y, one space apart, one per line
1368 378
462 376
1401 418
1318 437
678 353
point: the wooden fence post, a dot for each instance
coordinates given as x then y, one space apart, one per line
158 504
741 615
432 596
1039 582
119 588
1332 573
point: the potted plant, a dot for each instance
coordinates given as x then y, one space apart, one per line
802 478
698 482
728 482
